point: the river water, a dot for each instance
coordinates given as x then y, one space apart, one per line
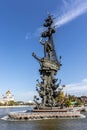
49 124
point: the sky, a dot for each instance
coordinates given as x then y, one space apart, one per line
20 28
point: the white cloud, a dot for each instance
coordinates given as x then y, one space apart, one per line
70 10
84 80
77 88
25 96
28 36
35 34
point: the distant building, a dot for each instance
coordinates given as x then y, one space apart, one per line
7 97
84 100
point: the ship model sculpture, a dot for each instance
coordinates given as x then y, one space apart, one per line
49 87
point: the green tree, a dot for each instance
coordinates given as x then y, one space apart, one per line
60 97
1 104
78 102
11 103
68 103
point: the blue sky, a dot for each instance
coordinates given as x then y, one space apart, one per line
20 23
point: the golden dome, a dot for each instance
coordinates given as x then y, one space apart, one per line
8 92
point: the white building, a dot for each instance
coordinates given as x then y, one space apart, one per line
7 97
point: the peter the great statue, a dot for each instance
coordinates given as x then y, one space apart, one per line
48 87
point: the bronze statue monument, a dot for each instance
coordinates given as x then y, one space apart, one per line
49 86
49 66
